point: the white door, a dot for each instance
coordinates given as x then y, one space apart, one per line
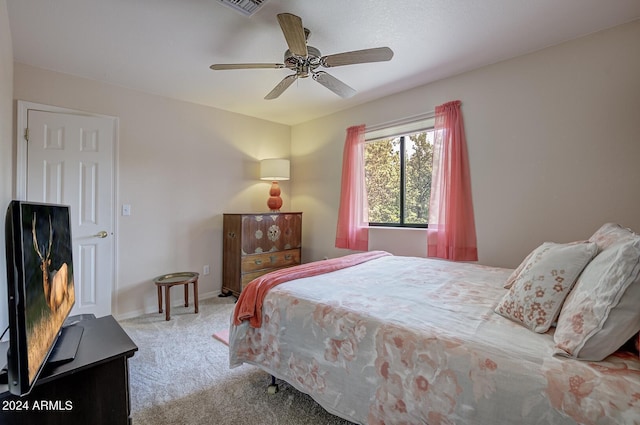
70 161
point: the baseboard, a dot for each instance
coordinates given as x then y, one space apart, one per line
154 309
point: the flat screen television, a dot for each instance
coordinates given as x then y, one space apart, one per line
40 291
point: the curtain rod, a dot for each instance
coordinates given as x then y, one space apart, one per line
400 121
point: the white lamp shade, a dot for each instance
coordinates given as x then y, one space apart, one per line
274 169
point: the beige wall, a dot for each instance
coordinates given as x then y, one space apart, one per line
6 151
554 144
180 166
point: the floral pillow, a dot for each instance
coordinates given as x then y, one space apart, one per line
545 279
514 275
602 312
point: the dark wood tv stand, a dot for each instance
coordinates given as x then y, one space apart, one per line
91 389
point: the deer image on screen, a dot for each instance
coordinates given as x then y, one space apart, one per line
54 282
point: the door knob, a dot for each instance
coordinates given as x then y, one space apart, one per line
101 234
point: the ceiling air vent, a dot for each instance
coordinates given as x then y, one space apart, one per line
246 7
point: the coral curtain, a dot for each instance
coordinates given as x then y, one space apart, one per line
353 215
452 233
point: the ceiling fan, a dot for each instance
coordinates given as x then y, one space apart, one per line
305 60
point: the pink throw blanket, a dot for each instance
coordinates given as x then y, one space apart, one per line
249 305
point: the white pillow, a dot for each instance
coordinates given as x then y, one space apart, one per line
538 291
610 234
603 310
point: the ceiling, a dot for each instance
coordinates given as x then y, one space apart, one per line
165 47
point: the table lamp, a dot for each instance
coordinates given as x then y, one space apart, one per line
274 169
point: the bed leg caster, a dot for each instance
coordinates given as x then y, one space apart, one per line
273 388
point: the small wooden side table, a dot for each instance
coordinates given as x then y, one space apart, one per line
172 279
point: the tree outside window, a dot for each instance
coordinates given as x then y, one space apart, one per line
398 179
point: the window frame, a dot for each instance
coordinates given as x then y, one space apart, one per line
401 131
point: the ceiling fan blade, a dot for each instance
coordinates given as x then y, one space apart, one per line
281 87
378 54
223 66
294 33
333 84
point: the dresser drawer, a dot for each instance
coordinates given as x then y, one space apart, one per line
270 260
248 277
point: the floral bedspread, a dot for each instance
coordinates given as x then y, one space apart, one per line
403 340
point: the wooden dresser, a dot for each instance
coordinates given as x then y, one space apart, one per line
255 244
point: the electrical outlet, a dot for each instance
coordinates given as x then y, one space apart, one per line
205 270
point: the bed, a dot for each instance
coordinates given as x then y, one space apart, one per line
404 340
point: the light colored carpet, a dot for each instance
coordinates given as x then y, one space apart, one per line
181 375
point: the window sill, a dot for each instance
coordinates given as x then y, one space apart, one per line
386 228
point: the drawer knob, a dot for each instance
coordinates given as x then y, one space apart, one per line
287 257
258 262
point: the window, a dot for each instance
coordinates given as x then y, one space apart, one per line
398 178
